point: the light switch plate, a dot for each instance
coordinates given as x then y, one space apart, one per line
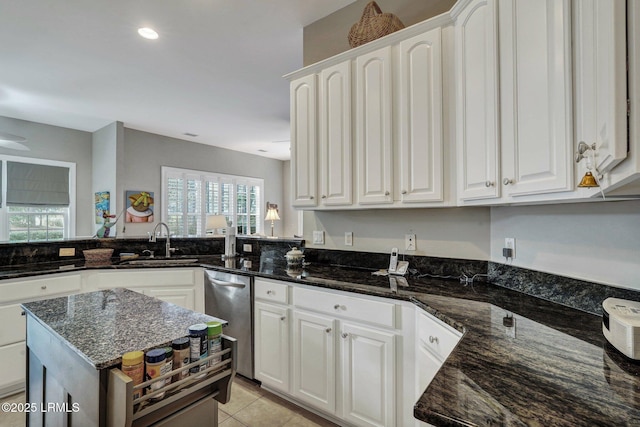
246 247
348 238
318 237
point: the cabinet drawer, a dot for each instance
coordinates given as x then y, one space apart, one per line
435 336
141 277
271 291
12 324
375 312
28 289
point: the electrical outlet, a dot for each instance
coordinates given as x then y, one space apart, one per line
348 238
246 247
510 243
410 242
67 252
318 237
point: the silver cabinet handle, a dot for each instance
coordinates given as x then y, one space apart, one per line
328 330
43 287
269 292
488 184
404 191
283 318
507 181
324 197
225 283
345 335
386 193
433 339
311 197
336 307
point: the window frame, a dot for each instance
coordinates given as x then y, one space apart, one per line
204 177
70 215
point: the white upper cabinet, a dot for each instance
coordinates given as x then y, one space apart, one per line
420 105
477 124
303 141
335 144
373 127
536 96
600 80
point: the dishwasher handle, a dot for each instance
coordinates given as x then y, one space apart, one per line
225 283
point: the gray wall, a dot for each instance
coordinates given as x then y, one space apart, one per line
328 36
144 154
68 145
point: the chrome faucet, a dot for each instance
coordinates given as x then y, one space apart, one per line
152 238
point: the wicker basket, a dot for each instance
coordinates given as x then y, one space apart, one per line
372 25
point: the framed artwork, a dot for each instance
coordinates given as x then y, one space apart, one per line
103 204
139 206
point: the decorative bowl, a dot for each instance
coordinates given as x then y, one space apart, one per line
96 256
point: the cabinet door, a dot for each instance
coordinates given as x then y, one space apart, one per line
478 137
600 72
271 353
13 368
314 364
369 385
427 367
536 93
335 135
303 141
420 100
178 296
373 126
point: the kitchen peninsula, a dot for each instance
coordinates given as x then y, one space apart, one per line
75 344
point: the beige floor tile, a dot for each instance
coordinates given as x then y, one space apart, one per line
241 397
222 415
13 419
231 422
265 413
308 419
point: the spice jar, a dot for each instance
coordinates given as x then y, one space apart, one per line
199 346
133 367
181 354
214 334
154 367
168 364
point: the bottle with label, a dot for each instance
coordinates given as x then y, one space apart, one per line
154 367
133 367
181 354
168 364
199 346
214 334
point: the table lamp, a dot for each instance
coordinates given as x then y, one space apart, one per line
272 215
215 222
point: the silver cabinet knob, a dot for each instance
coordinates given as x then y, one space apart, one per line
283 318
507 181
488 184
386 193
328 330
311 197
43 287
345 335
433 339
336 307
269 292
324 197
404 191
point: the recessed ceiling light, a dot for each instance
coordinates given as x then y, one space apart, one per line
148 33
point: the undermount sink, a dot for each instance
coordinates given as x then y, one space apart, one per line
161 261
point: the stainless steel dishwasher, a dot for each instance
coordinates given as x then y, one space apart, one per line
229 297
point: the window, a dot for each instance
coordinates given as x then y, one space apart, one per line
37 199
189 196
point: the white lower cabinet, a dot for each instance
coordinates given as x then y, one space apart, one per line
271 340
180 286
14 292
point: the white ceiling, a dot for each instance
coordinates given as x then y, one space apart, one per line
215 71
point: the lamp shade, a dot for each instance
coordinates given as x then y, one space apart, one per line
272 215
216 221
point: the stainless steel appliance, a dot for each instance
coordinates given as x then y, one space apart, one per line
229 296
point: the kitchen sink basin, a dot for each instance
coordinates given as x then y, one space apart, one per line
160 261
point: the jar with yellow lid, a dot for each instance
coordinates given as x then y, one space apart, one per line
133 367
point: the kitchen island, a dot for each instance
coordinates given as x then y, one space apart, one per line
74 347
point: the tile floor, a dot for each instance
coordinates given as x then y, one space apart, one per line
250 406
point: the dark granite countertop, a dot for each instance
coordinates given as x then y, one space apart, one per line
101 326
552 368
